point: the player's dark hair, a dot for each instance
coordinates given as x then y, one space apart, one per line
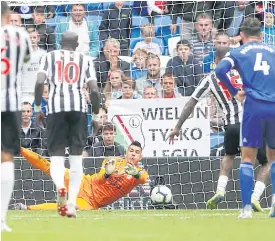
136 143
221 52
4 7
251 27
183 42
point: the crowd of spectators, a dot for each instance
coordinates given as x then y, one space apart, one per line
130 69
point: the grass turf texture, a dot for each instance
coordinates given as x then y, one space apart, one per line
157 225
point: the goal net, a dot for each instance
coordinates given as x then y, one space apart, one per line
191 166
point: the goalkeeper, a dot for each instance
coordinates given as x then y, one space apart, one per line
116 179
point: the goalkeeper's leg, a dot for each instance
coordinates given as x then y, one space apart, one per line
225 168
81 204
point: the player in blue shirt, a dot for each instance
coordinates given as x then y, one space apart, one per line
255 62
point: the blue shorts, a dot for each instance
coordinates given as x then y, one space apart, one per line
258 123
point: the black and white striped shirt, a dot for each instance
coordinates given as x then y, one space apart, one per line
230 106
67 71
15 48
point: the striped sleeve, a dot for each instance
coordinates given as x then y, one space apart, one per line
202 89
44 65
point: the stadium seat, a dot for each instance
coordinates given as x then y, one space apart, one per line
138 21
135 32
158 41
95 6
163 20
172 45
95 19
164 32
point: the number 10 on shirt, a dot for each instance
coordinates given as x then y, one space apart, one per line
68 73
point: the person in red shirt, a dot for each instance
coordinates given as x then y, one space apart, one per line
117 178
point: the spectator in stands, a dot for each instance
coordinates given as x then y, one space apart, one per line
86 31
31 135
185 69
216 115
169 87
138 67
44 105
116 23
148 33
269 27
92 139
188 12
129 89
30 69
109 61
153 75
114 85
15 19
222 40
150 92
108 146
202 41
46 33
234 14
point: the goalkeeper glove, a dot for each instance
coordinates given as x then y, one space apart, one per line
130 169
110 167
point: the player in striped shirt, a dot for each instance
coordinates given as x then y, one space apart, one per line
15 50
255 62
66 72
117 178
233 117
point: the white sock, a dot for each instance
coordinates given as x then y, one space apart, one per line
57 170
222 183
258 190
7 183
76 172
273 200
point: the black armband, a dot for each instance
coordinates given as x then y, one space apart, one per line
137 176
107 175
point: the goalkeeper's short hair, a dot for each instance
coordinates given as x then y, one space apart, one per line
136 143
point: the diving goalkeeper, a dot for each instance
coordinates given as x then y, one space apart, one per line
116 179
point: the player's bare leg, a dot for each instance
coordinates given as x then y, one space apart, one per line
247 180
7 183
225 168
270 153
260 187
57 170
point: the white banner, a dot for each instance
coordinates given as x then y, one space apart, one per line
149 121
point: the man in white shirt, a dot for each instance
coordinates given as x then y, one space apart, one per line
30 70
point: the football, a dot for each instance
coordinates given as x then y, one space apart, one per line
161 194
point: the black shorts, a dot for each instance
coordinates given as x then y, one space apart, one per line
66 129
10 132
232 139
232 143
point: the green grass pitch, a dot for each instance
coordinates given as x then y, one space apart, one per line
157 225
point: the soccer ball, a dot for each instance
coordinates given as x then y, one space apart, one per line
161 195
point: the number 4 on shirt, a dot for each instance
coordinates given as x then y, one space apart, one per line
70 73
261 65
